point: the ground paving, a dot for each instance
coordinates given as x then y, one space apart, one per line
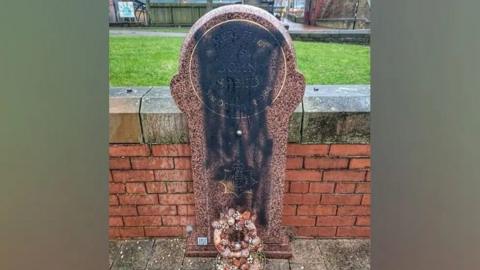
308 254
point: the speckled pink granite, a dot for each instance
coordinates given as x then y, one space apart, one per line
209 196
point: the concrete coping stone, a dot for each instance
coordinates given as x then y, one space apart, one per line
328 114
124 114
337 98
333 32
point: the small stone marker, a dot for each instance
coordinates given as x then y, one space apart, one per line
238 86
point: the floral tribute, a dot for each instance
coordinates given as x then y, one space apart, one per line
236 240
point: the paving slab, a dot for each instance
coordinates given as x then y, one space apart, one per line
113 251
306 251
192 263
308 266
168 254
277 264
134 255
308 254
345 254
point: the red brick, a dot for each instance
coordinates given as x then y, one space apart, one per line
363 221
156 187
301 198
186 210
119 163
183 163
115 221
128 150
369 176
298 221
143 221
171 150
363 188
174 199
344 175
152 163
178 220
187 220
304 175
299 187
177 187
344 188
171 220
190 187
110 178
317 231
191 210
134 199
112 200
294 162
307 149
133 176
326 163
116 188
126 232
350 150
359 163
341 199
322 187
289 210
366 200
286 187
135 187
157 210
173 175
335 221
353 211
316 210
122 211
182 210
353 232
164 231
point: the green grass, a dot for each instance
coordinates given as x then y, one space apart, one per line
177 29
148 61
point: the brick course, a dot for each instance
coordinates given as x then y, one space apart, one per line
327 190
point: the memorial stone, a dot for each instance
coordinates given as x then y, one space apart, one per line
238 86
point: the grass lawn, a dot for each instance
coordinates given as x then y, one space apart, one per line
177 29
148 61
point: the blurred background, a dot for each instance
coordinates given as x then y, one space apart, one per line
329 14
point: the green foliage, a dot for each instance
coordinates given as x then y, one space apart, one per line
148 61
331 63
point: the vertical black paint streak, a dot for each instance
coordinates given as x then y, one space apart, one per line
235 76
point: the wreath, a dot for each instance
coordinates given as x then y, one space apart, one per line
236 240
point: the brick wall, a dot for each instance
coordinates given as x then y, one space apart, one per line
327 191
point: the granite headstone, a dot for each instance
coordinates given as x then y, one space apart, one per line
238 86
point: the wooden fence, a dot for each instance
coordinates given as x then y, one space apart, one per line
173 14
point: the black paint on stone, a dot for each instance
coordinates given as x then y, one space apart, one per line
237 63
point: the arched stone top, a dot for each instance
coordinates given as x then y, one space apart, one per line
238 12
285 82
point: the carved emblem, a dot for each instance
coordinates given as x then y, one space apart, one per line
238 180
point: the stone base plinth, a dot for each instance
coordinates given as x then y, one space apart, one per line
278 250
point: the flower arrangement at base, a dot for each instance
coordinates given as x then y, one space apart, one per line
236 240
